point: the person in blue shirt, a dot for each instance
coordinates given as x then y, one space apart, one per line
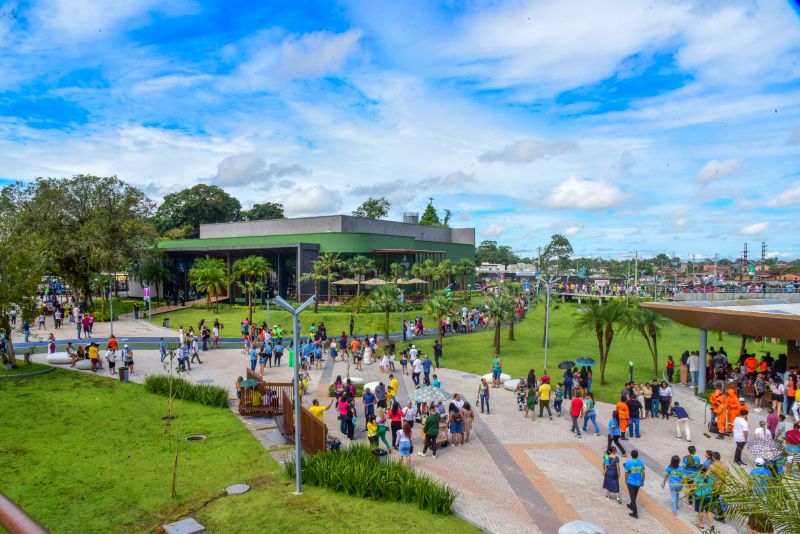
369 400
278 352
614 433
426 369
634 478
703 496
675 476
253 354
162 347
691 462
762 477
26 330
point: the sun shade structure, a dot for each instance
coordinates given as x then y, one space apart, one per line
345 282
415 281
776 318
374 282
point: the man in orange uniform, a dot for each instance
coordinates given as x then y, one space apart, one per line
719 406
624 416
750 365
734 408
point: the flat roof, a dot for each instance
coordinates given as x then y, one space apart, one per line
768 317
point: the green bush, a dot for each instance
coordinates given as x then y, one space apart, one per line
359 390
356 472
201 393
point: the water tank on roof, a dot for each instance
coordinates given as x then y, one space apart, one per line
411 217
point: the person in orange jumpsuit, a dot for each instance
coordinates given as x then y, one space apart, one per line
734 408
750 365
719 406
624 416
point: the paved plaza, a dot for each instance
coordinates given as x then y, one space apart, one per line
515 474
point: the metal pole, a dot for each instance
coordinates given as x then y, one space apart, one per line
111 305
268 321
546 323
701 374
297 447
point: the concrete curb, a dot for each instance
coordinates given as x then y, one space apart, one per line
34 373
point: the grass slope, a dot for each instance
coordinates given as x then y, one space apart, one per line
84 454
22 368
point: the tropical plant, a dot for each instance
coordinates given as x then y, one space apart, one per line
360 267
385 298
428 271
465 267
317 273
499 308
602 319
515 291
250 272
151 270
439 306
446 269
206 394
648 324
353 471
208 276
331 262
396 272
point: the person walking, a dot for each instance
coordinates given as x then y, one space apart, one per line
624 417
404 445
575 411
426 369
497 370
634 478
396 420
674 475
531 401
431 429
614 432
683 421
416 370
483 395
437 352
544 399
611 474
589 413
740 430
703 494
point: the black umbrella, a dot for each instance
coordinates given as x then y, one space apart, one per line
566 364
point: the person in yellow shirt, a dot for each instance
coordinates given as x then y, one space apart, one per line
94 355
544 399
391 392
317 410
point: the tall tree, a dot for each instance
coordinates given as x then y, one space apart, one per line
360 267
210 277
21 265
150 269
89 224
200 204
316 275
373 208
648 324
515 291
385 298
446 270
439 306
262 212
250 272
396 272
490 252
430 217
558 249
499 308
602 319
428 271
331 263
465 267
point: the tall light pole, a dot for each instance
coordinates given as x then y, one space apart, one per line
403 315
295 312
547 283
111 303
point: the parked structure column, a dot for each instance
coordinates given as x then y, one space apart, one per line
701 375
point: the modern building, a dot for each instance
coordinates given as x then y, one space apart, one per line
291 245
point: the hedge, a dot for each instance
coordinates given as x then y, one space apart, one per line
185 390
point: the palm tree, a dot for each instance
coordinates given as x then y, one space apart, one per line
499 307
316 274
647 323
602 319
360 266
385 298
396 272
153 271
208 276
331 262
515 291
427 270
446 269
465 267
439 306
250 271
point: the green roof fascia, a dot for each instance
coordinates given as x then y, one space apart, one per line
328 242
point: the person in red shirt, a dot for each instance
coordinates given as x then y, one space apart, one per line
575 411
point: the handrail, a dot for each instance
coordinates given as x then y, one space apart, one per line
16 520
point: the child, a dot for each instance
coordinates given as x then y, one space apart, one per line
391 360
522 394
239 387
372 431
436 382
559 397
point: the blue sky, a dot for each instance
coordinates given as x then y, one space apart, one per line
626 125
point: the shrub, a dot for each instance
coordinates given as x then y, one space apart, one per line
359 390
183 389
354 471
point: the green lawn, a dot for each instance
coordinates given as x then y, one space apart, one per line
85 454
22 368
473 353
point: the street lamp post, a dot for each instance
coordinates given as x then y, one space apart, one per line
111 305
547 283
295 312
403 315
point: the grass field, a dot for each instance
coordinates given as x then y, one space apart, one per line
85 454
22 368
473 353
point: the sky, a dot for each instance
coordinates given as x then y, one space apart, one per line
652 126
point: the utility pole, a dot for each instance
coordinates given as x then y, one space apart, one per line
636 270
763 255
744 263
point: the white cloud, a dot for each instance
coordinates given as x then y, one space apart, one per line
679 223
528 150
309 55
572 230
243 169
311 199
755 228
583 194
493 230
717 170
789 197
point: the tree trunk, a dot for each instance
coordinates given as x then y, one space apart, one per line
386 328
329 279
655 355
497 326
9 343
439 335
511 330
464 289
208 301
250 296
744 344
316 293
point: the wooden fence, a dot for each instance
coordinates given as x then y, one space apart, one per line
265 398
313 432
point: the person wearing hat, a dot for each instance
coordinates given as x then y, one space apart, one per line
127 355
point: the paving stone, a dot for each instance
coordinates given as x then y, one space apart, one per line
185 526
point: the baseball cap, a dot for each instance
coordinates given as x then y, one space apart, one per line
126 346
759 461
